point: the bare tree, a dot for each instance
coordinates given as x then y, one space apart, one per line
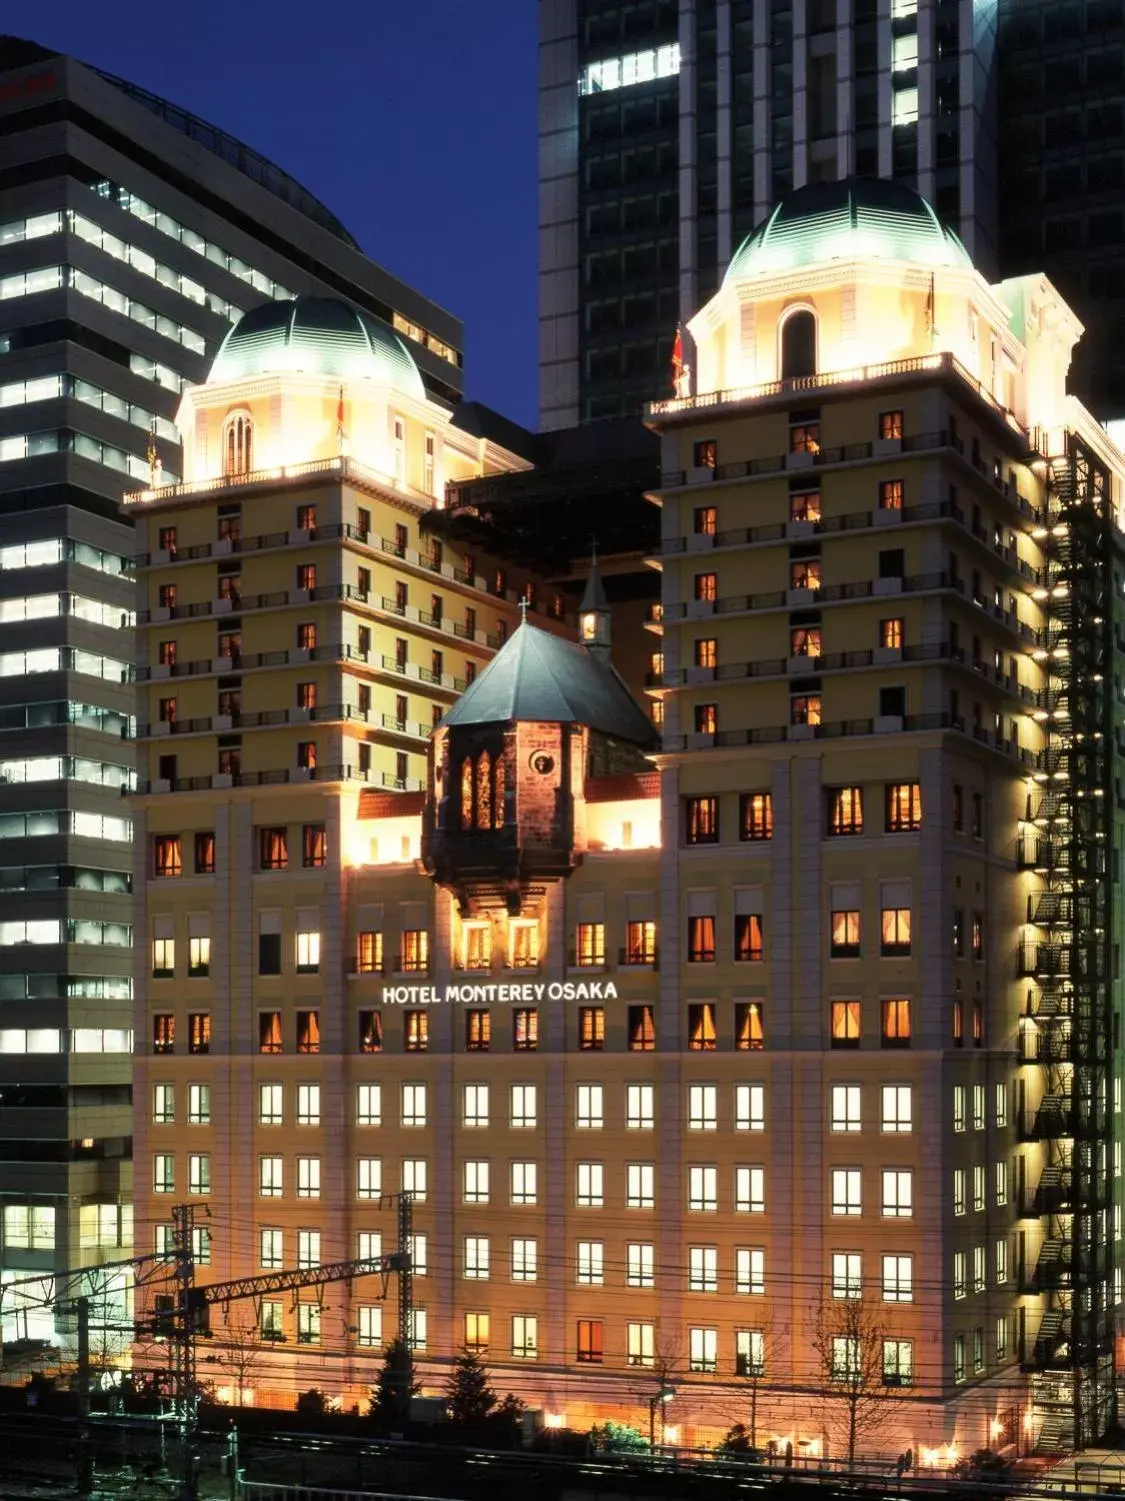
757 1360
242 1353
848 1337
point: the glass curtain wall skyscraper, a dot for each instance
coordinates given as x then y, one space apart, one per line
132 234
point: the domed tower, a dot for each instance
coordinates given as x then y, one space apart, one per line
508 768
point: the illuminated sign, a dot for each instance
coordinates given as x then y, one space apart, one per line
526 994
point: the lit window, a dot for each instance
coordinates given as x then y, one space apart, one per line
701 820
707 653
475 1181
847 1191
749 1272
640 1185
891 633
846 1107
706 518
635 67
591 1028
846 1026
755 816
641 1029
523 944
163 1173
845 934
589 1107
703 1189
701 939
903 807
589 1267
905 107
703 1347
640 1264
590 1185
523 1107
525 1029
269 1177
525 1260
524 1181
308 1031
415 954
896 1024
478 1029
845 810
475 1258
640 1107
703 1107
416 1031
847 1274
707 587
475 1110
749 1026
749 1107
750 1190
904 56
898 1362
804 437
804 505
308 1177
199 1104
369 1105
895 941
701 1027
805 641
525 1337
640 1344
413 1104
897 1108
589 944
749 938
168 859
805 574
640 943
703 1269
898 1279
898 1193
590 1342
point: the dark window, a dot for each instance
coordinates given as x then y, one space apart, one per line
705 454
798 345
269 953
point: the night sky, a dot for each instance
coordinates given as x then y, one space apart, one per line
413 120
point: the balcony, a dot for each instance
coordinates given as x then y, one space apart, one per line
929 365
639 958
846 728
282 777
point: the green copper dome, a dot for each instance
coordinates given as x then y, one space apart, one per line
318 335
858 219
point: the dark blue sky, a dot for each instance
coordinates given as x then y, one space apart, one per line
413 120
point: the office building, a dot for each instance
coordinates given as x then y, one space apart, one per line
1061 87
668 130
132 234
780 1051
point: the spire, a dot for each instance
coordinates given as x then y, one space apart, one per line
593 612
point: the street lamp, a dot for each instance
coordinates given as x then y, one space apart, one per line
661 1399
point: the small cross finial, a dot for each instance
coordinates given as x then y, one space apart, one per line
523 611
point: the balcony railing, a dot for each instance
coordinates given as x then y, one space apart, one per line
282 777
942 363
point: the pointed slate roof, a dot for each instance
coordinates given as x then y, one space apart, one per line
594 597
538 676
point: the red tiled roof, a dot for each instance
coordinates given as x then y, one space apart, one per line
625 788
390 804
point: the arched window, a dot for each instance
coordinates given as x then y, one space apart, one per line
484 791
238 444
798 345
499 786
466 793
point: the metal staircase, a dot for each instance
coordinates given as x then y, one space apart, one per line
1067 841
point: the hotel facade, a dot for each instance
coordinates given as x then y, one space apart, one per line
766 1059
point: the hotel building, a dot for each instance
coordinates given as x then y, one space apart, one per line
781 1048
